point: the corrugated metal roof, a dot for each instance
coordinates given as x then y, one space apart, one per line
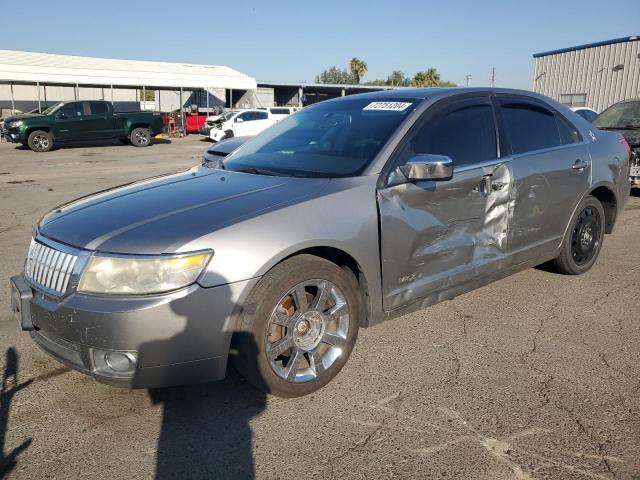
588 45
19 66
352 86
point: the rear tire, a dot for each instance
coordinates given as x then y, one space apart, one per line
583 241
40 141
140 137
298 327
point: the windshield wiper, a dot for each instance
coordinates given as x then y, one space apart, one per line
257 171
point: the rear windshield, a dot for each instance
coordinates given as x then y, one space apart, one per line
621 115
329 139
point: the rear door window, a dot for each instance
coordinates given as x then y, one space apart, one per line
98 108
529 126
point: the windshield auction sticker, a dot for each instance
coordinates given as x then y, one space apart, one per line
388 106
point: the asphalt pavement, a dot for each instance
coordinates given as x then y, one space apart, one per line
534 376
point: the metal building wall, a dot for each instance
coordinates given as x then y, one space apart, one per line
590 71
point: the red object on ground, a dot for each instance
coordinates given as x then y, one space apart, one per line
195 123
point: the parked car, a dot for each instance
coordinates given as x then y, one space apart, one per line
90 120
241 123
279 113
585 112
624 118
353 211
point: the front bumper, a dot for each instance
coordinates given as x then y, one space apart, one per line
12 135
177 338
217 134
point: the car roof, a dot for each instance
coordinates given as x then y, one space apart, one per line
434 92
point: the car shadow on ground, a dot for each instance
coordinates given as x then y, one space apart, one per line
205 431
10 387
635 192
96 143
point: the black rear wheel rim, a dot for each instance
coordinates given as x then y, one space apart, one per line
585 237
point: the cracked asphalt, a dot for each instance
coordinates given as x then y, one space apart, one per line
534 376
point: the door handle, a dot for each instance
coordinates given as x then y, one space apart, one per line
579 165
486 186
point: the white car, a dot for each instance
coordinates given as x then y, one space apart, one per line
585 112
244 123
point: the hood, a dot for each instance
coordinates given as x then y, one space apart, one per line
14 118
160 214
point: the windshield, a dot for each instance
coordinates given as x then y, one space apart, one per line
226 116
51 109
329 139
620 115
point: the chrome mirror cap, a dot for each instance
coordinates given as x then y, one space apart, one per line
428 167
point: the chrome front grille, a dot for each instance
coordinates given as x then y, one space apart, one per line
49 268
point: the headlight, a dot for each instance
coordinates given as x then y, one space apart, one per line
15 124
134 275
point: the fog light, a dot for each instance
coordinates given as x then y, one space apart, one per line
114 363
120 362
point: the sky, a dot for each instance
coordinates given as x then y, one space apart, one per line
291 41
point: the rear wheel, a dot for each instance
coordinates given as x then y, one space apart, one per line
299 327
583 241
40 141
140 137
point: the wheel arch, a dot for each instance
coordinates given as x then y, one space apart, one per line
133 126
607 197
44 128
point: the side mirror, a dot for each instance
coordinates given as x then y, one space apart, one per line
239 120
428 167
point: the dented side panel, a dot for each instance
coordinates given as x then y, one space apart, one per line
546 191
437 234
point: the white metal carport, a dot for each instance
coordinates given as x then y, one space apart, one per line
38 69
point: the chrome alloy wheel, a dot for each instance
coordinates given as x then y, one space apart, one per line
141 137
307 330
41 142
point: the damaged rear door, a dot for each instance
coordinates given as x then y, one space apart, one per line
436 235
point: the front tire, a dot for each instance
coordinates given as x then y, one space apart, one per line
40 141
298 327
583 241
140 137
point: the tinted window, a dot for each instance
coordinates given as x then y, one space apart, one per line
568 133
529 127
280 111
466 134
98 108
260 115
247 116
329 139
72 110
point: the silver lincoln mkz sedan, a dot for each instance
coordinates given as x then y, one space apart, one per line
350 212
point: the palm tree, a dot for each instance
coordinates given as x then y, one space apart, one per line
358 69
427 78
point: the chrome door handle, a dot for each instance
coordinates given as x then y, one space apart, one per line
486 185
579 165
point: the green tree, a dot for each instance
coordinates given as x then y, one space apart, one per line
358 69
335 75
398 79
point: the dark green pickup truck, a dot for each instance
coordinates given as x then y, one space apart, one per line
88 120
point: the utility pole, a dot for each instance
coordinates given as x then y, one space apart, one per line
493 77
467 78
